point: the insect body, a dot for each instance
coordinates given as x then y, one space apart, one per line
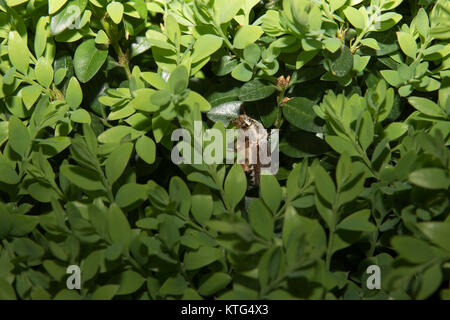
250 138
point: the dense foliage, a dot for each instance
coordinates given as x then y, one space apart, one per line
91 90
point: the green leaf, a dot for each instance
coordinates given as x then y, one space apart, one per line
355 17
430 178
161 98
117 161
159 127
332 44
83 178
55 5
392 77
304 57
201 178
19 137
358 221
131 193
202 257
180 193
130 281
242 72
106 292
169 233
5 221
202 207
154 80
146 149
371 43
225 10
174 286
8 175
343 169
235 185
147 223
60 74
80 116
205 46
27 249
18 52
6 290
30 94
323 182
178 80
261 219
143 100
299 112
74 95
172 30
101 38
270 192
366 130
431 280
42 33
423 23
336 4
395 130
21 225
255 90
88 60
426 106
341 62
115 11
407 44
252 54
113 252
66 294
214 283
118 226
247 35
117 133
412 249
341 145
438 232
270 266
44 72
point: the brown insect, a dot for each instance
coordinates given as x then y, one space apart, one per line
253 134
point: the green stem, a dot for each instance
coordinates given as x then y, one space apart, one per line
213 173
366 29
278 121
278 215
275 283
334 222
32 82
225 39
329 249
114 37
373 243
105 182
194 225
134 263
123 59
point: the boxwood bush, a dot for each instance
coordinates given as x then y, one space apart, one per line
91 91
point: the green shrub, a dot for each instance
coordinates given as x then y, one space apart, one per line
91 91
